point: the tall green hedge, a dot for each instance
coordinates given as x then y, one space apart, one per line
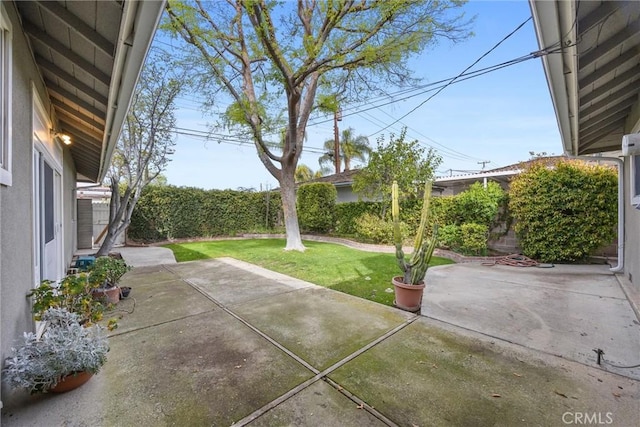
316 203
168 212
564 213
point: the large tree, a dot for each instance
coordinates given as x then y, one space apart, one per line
278 61
407 162
351 147
145 144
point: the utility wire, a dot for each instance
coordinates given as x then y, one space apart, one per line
459 75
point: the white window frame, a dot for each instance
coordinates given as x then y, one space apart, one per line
634 178
6 63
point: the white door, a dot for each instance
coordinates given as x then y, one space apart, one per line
47 200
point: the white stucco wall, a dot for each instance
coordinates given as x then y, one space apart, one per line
16 203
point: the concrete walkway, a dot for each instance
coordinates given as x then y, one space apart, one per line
568 310
221 342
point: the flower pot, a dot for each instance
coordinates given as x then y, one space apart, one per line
71 381
408 297
110 295
124 292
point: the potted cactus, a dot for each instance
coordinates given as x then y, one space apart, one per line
410 286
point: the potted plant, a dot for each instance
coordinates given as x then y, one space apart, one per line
64 357
410 286
105 275
73 293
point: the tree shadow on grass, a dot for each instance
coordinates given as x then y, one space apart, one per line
370 281
183 254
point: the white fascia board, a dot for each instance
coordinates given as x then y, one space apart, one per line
476 176
138 25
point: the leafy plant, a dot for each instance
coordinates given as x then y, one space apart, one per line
372 229
473 239
73 293
416 267
566 212
177 212
450 236
107 271
405 162
480 205
65 348
316 206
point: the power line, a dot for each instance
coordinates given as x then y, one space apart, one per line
459 75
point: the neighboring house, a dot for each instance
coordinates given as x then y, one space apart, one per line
455 184
590 51
67 74
343 182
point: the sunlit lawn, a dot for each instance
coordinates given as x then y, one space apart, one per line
363 274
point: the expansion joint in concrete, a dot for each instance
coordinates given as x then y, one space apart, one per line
318 375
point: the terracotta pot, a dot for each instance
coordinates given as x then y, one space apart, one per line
71 382
408 297
111 295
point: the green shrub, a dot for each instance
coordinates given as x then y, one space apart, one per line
316 206
167 212
564 213
444 210
474 239
372 229
450 236
479 205
348 213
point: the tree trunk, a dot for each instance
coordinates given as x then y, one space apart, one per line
292 229
108 242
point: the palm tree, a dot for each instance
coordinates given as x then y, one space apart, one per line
351 148
303 173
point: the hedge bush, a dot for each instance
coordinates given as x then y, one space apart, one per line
473 239
564 213
316 204
372 229
168 212
450 236
479 205
348 213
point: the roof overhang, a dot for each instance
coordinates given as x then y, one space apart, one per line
477 176
594 77
90 54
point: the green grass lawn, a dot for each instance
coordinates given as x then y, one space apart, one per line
363 274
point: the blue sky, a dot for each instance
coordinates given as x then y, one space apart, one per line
498 117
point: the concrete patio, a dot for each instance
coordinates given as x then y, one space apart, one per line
222 342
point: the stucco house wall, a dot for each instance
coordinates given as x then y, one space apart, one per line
16 201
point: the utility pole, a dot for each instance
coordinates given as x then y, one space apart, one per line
337 117
483 163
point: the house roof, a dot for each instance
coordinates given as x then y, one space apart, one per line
594 78
338 179
90 54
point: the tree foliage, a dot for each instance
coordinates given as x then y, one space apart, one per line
145 144
168 212
316 206
406 162
278 62
566 212
480 205
351 147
